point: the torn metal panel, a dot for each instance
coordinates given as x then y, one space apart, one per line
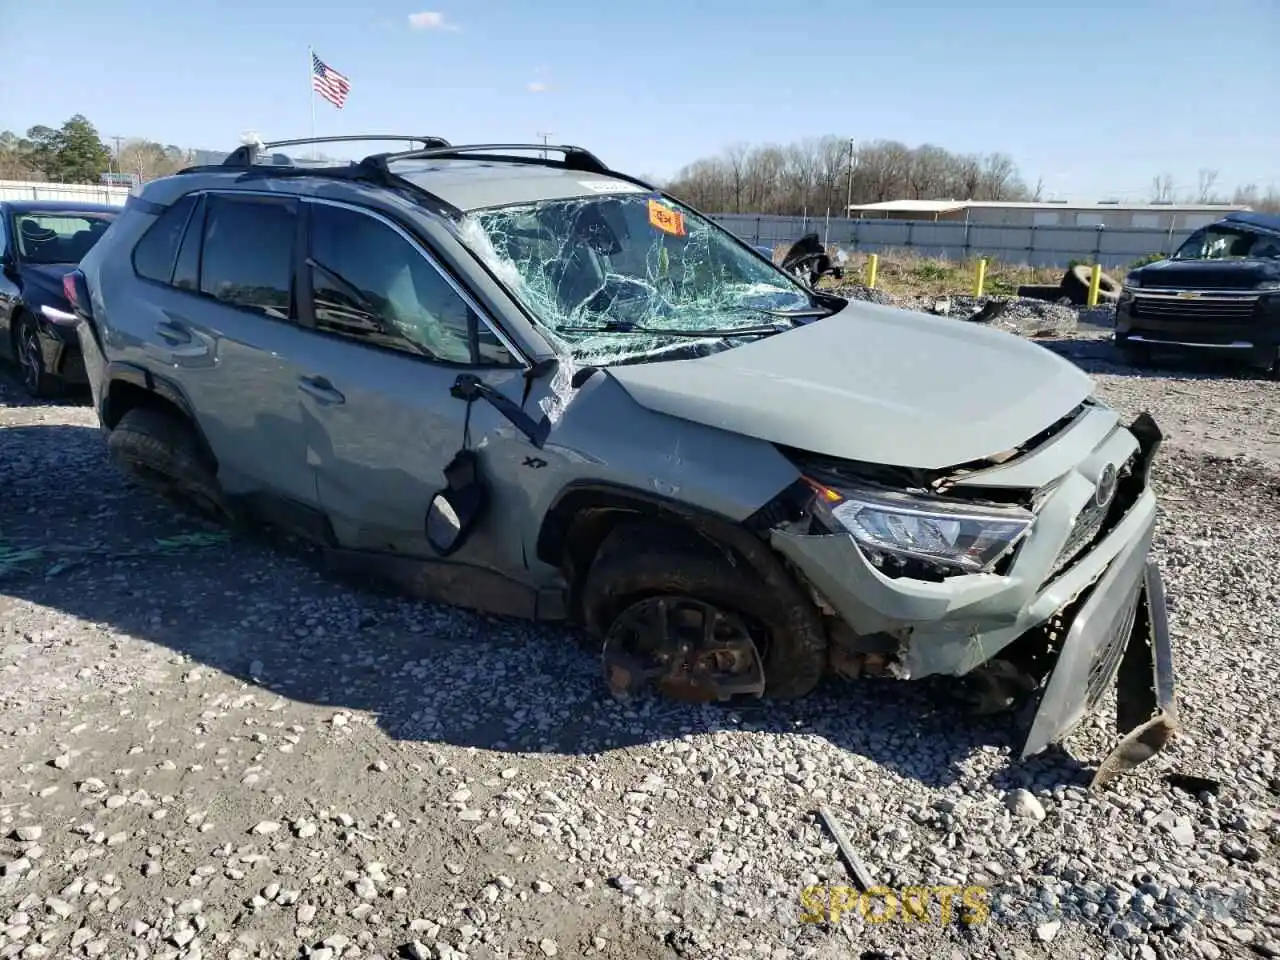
1092 649
1146 701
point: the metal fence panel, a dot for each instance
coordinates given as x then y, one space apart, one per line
1048 246
81 192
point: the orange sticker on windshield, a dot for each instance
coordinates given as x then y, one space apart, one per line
666 219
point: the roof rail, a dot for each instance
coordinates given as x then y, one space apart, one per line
575 158
375 168
246 154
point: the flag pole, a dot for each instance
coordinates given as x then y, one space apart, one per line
311 71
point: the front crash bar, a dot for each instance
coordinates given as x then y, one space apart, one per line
1146 705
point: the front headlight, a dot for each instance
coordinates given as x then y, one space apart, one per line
939 532
1268 285
1133 281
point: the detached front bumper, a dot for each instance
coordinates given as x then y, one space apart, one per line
1121 633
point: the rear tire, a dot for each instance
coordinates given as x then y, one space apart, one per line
1273 371
160 451
637 562
38 382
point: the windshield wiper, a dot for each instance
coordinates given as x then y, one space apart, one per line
799 312
623 326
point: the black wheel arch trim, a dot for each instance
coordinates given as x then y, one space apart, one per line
740 536
164 388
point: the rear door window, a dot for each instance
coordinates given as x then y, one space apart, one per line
247 252
154 254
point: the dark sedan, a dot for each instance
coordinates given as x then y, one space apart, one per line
41 241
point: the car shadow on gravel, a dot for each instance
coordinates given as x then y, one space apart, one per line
76 538
13 395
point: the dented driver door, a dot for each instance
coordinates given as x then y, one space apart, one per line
390 336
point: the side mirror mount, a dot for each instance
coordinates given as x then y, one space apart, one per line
469 387
454 511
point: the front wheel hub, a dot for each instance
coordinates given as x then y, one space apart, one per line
688 648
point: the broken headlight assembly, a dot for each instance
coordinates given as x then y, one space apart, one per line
910 535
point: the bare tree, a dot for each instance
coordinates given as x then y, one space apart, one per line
813 175
736 157
1205 182
1162 188
998 172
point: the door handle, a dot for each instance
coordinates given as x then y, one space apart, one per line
172 332
321 389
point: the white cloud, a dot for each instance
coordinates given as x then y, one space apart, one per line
537 86
429 20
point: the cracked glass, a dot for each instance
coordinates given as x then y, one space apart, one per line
632 277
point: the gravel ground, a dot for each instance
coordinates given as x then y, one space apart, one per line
209 750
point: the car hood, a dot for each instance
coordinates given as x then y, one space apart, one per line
42 282
1244 274
872 383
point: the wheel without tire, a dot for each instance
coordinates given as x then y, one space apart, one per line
36 380
667 604
159 451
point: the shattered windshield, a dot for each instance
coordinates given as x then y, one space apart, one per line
1222 243
630 276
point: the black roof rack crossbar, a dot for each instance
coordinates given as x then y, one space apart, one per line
368 170
245 154
575 158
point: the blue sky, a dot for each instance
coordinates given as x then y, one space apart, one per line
1095 98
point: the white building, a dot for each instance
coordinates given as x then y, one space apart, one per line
1051 213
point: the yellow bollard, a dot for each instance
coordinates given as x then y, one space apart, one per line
1095 283
873 265
981 282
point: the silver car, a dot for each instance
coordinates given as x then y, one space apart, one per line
510 378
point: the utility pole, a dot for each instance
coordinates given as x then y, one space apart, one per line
545 135
118 169
848 201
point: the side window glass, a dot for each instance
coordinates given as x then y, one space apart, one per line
155 251
246 256
490 349
186 272
369 283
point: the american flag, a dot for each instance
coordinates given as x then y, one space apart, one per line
328 82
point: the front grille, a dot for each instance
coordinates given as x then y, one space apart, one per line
1216 307
1084 531
1095 521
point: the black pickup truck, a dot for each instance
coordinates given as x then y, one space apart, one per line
1219 293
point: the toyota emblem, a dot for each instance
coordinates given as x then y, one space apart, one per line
1106 485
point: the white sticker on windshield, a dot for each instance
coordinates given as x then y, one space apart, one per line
611 186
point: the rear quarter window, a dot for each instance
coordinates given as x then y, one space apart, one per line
154 254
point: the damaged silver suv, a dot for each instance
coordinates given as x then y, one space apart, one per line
539 387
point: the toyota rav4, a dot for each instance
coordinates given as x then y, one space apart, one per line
512 378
